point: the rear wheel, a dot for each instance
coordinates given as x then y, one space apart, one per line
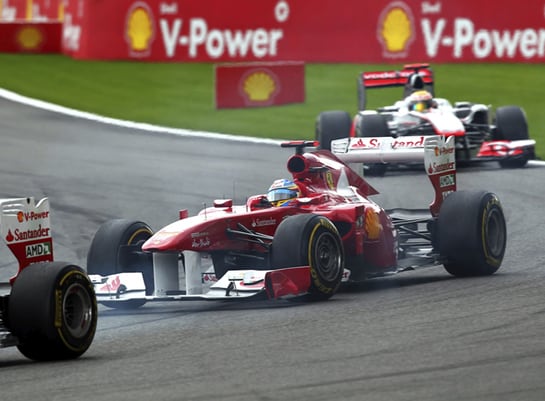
331 125
313 240
373 125
511 125
472 233
53 311
117 248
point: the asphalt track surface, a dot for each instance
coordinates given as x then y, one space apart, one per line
420 335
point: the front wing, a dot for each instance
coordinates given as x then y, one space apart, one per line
501 150
234 285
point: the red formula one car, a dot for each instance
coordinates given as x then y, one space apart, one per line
280 246
49 310
480 134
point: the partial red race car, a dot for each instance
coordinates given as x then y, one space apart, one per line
481 134
304 237
48 310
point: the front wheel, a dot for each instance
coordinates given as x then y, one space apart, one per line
53 311
472 233
372 125
311 240
332 125
117 248
511 125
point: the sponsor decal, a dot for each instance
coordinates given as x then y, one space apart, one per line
435 168
443 150
30 216
24 235
329 180
375 143
208 278
200 234
396 29
37 250
140 29
200 242
446 180
263 222
373 228
200 239
111 286
29 38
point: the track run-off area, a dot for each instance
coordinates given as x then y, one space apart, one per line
421 335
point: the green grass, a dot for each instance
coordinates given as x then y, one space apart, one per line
182 95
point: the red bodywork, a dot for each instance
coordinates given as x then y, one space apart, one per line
328 187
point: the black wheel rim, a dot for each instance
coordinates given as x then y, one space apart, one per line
495 233
327 257
77 311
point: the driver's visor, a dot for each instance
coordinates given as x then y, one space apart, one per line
281 194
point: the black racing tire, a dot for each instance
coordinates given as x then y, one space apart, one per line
107 254
331 125
53 311
313 240
373 125
512 125
471 233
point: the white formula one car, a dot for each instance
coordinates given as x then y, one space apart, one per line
49 311
481 133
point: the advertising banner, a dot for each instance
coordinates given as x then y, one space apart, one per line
30 37
350 31
259 84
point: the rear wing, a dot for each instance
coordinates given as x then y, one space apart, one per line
435 152
384 79
26 229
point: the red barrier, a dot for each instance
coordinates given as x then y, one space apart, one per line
30 37
396 31
259 84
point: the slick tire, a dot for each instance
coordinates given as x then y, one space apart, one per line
331 125
373 125
511 124
313 240
53 311
471 233
117 248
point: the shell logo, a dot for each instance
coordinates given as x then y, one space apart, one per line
29 38
139 29
396 30
20 217
260 86
373 228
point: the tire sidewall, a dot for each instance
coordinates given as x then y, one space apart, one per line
320 284
468 222
297 240
37 311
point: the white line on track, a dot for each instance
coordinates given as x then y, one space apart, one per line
14 97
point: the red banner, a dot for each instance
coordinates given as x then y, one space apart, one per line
31 10
259 84
396 31
30 37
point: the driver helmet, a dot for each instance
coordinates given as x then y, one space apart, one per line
282 191
420 101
